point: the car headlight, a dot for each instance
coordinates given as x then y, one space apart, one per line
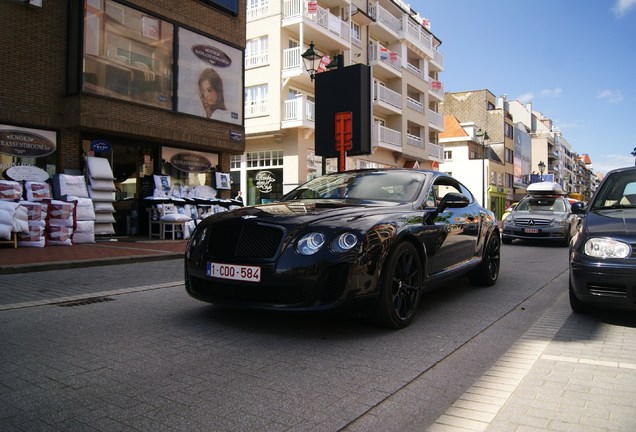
607 248
510 220
558 222
344 242
310 243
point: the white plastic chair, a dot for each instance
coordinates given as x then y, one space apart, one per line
173 222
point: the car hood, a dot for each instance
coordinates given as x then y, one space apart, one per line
611 222
538 214
311 211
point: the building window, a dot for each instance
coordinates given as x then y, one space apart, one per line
509 180
356 34
448 154
509 155
256 8
127 54
256 101
508 130
235 162
262 159
256 52
493 178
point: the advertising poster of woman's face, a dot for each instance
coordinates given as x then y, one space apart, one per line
210 78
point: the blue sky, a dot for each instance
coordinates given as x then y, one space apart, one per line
575 60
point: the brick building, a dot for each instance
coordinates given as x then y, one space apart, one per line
122 80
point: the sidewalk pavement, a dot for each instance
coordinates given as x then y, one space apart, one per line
103 252
568 372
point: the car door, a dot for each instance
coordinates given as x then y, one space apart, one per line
457 228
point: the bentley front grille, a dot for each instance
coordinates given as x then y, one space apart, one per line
245 241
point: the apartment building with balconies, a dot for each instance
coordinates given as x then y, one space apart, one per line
280 121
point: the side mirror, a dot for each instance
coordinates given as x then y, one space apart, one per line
578 208
453 200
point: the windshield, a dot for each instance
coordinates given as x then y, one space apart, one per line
396 186
618 191
551 204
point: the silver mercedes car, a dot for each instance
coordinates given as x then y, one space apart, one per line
543 214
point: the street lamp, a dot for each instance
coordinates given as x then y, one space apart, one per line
309 58
541 169
482 138
634 154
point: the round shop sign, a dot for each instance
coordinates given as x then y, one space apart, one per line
264 181
190 162
23 143
27 173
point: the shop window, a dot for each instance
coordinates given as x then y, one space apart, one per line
127 54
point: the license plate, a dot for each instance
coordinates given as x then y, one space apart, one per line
531 230
234 272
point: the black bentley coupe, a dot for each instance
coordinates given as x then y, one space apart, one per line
373 239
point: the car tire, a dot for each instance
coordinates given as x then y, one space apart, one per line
487 273
577 305
401 287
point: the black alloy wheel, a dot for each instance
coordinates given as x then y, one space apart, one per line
487 273
401 287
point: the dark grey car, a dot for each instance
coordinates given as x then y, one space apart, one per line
540 217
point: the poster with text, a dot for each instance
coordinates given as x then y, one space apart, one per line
210 78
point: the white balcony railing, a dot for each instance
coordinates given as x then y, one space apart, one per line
257 11
438 58
322 17
256 109
415 105
414 69
416 34
414 141
292 58
435 151
379 52
386 137
299 109
386 95
435 119
255 60
385 17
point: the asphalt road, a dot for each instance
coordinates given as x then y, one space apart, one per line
140 354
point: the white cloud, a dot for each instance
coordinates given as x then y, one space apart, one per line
529 96
623 7
611 96
612 161
555 92
525 98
